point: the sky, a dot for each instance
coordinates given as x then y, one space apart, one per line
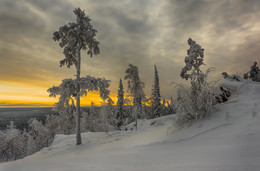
140 32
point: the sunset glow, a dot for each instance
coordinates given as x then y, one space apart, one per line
27 96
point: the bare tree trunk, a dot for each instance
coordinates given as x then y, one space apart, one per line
78 135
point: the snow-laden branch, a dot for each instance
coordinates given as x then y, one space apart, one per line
68 89
193 62
77 35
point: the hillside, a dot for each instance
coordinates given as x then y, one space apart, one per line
228 141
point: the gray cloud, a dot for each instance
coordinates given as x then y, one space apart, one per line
140 32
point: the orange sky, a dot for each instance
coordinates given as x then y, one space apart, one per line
22 95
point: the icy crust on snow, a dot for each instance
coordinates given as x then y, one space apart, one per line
227 141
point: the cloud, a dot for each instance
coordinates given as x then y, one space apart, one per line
140 32
226 29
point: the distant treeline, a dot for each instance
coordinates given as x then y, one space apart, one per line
21 116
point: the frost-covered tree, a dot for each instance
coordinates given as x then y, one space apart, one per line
67 90
103 124
128 108
12 143
111 112
120 105
246 76
193 62
74 37
16 144
164 107
225 75
39 136
253 74
170 106
67 115
198 101
156 96
93 111
107 116
53 124
135 87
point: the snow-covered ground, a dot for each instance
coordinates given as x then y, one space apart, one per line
228 141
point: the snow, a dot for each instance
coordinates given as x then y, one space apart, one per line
227 141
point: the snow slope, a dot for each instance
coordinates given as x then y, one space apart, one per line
228 141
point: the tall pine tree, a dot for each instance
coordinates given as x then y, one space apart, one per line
74 37
135 86
120 104
156 97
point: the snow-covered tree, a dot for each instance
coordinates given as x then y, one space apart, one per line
156 96
107 116
53 124
67 91
74 37
254 73
193 62
135 87
16 144
90 120
93 111
13 143
39 136
198 101
164 107
111 113
225 75
103 124
67 115
120 105
128 108
246 76
149 108
171 106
